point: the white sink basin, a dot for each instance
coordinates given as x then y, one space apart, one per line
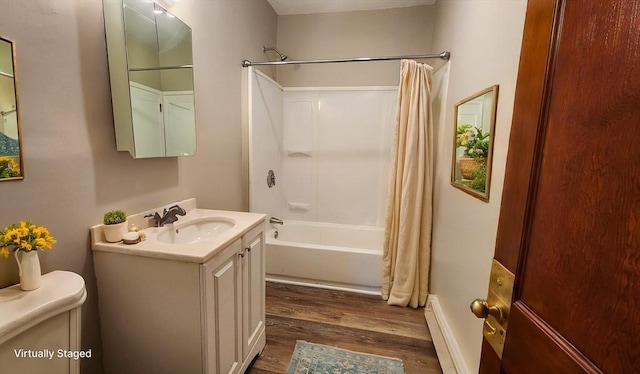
195 231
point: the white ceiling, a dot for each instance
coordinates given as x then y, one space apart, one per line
286 7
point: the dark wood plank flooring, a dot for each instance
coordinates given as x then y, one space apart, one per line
362 323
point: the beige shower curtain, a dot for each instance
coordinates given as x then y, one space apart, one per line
407 247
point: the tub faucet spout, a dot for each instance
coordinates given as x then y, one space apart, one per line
276 221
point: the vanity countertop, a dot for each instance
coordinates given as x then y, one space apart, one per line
198 252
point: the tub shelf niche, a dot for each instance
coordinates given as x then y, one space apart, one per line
298 207
299 152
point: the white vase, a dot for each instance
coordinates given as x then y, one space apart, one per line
29 267
113 233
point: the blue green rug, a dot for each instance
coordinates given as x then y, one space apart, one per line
309 358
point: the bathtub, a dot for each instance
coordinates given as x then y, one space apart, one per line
345 257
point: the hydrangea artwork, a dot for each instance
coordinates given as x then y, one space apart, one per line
474 141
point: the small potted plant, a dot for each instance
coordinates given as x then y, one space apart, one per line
115 225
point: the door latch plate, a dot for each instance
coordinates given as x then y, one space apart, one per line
500 294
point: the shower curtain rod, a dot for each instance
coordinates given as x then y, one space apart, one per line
444 56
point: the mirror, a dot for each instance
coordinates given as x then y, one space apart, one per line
151 73
475 119
10 141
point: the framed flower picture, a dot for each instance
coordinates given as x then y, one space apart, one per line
473 132
11 167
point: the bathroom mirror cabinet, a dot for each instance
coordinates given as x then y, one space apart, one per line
11 167
473 135
151 73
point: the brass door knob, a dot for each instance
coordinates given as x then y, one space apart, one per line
481 309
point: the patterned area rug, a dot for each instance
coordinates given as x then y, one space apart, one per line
309 358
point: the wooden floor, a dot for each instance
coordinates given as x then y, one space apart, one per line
361 323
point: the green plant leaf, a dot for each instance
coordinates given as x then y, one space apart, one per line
114 217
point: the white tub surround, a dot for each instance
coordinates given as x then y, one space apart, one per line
336 147
329 148
264 152
45 321
327 255
183 307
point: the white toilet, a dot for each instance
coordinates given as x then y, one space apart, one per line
40 329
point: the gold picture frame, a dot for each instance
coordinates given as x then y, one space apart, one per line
11 160
473 138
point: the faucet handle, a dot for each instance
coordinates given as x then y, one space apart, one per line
180 210
155 216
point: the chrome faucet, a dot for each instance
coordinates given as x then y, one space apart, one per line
168 215
275 220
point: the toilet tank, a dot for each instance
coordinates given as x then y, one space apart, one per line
40 329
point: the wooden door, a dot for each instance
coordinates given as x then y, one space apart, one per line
569 224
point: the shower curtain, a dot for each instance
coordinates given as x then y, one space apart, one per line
407 246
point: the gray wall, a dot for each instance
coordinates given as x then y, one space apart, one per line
388 32
73 173
484 38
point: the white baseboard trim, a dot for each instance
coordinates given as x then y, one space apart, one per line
447 348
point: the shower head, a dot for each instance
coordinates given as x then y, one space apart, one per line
282 56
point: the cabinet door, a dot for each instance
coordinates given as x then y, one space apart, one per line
148 132
179 117
253 289
52 335
222 311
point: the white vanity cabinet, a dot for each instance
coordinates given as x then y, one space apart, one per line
166 312
222 301
234 301
253 309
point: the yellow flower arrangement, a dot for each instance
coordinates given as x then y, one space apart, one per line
25 236
8 167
